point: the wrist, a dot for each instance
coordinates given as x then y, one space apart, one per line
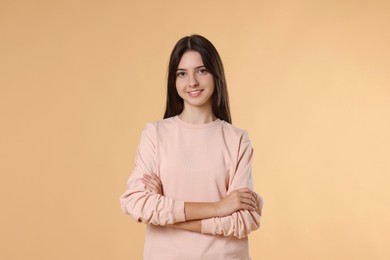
201 210
217 208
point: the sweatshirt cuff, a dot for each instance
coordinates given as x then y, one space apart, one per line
178 211
207 226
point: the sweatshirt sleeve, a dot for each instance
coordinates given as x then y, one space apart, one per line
142 205
242 222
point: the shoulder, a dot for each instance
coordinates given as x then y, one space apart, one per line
162 123
153 126
235 132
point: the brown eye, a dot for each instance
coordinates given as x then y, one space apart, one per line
180 74
202 71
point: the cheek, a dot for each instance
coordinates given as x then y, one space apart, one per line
179 85
179 88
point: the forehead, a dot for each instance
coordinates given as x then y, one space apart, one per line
190 59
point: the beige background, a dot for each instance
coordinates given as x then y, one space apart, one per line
308 79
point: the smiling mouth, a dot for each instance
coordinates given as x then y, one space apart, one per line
195 93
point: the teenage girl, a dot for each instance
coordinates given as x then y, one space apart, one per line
192 181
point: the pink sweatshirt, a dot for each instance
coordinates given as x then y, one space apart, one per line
196 163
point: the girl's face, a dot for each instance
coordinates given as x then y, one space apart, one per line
194 84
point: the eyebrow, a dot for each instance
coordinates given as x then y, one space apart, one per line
195 67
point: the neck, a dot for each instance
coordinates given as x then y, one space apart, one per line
197 115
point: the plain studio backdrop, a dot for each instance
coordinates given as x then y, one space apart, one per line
309 80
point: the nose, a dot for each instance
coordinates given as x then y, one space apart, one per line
192 81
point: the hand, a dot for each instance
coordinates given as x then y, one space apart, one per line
153 183
240 199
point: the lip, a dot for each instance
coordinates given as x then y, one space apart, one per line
195 93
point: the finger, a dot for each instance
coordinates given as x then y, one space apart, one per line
150 179
154 187
155 176
157 179
248 202
149 186
247 191
248 196
150 175
146 177
248 207
146 181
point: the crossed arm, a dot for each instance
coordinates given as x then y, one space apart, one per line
240 199
237 214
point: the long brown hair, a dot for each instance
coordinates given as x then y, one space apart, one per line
213 64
